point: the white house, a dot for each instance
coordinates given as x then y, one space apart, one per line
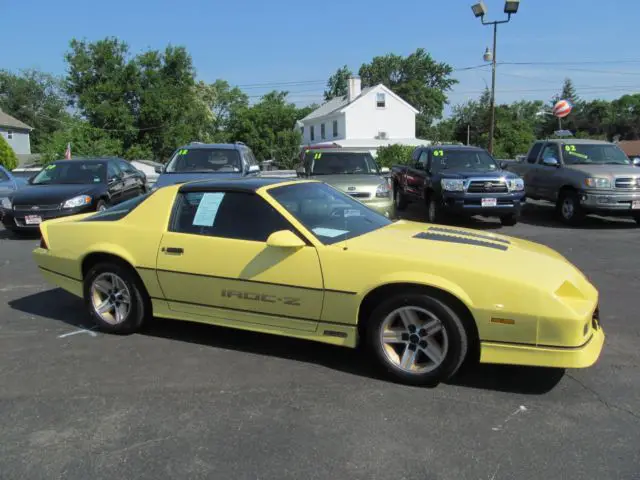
15 133
364 118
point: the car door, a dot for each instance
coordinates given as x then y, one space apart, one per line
133 183
214 262
547 176
529 169
416 174
115 184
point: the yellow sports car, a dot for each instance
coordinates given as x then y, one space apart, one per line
302 259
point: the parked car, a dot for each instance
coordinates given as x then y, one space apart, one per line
460 180
198 161
353 171
581 177
9 183
71 187
304 260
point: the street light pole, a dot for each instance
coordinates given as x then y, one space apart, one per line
480 10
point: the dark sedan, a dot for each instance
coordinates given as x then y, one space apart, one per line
70 187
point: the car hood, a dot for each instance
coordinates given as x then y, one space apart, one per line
471 174
468 254
173 178
51 194
607 170
344 181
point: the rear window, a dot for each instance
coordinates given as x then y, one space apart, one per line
339 163
119 211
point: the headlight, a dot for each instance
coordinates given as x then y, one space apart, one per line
597 182
516 185
383 190
5 202
76 202
452 185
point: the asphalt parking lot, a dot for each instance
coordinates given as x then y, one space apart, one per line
190 401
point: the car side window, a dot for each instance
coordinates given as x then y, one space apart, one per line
421 163
126 167
237 215
550 150
112 170
533 153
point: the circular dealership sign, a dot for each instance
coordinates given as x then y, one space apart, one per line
562 108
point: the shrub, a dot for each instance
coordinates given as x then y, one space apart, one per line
394 154
8 157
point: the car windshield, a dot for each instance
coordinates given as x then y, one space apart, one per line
200 160
462 160
594 153
329 214
72 172
336 163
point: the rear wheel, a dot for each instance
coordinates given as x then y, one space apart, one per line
509 220
399 200
115 299
569 208
417 339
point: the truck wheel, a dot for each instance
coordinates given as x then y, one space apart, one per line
509 220
399 200
417 339
434 210
569 208
637 219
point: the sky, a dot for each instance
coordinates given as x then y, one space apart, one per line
296 45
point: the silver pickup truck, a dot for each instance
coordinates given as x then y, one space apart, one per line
581 177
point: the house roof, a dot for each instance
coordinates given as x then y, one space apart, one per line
7 120
630 147
335 105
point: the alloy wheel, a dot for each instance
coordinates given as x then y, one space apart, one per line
110 298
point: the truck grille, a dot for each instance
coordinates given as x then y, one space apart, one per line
487 186
628 183
360 194
35 208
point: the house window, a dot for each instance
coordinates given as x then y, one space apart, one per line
9 134
380 100
335 128
312 133
302 131
322 132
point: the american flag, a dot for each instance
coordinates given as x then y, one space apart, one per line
67 152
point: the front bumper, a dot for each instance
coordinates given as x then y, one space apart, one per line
611 202
15 219
471 203
542 356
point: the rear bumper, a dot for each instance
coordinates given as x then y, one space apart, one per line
611 202
471 204
537 356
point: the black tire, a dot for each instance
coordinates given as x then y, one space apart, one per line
101 205
458 343
434 210
637 219
509 220
398 199
140 306
569 208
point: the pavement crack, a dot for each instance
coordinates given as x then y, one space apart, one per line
602 400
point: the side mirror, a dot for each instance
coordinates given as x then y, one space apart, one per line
551 162
159 169
384 170
636 161
253 169
503 165
285 239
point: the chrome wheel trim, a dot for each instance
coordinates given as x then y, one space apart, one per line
110 298
102 208
568 208
414 340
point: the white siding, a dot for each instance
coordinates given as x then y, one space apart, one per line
20 141
328 125
365 120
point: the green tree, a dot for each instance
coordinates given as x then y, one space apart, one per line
394 155
221 102
35 98
8 157
417 78
85 140
338 84
625 117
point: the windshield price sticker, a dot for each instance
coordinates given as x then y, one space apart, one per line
50 167
351 213
317 156
571 150
183 151
438 153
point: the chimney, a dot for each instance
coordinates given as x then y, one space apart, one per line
354 88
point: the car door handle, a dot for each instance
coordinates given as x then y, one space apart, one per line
173 250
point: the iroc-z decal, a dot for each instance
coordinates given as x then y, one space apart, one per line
260 297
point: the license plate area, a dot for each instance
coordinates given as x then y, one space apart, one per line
32 219
489 202
635 205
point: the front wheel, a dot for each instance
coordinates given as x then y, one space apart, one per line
569 208
434 210
417 338
115 299
509 220
101 206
